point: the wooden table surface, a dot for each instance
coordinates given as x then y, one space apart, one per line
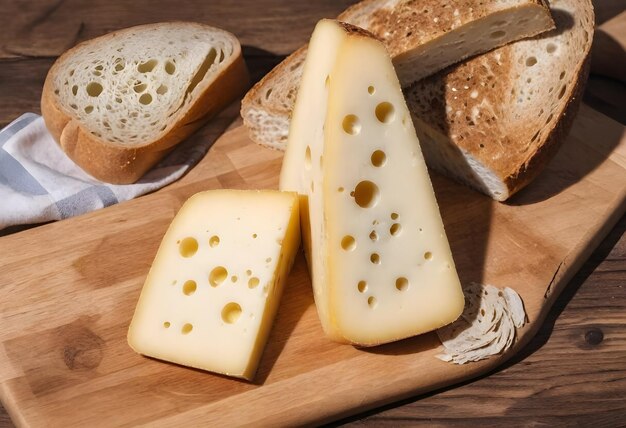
578 358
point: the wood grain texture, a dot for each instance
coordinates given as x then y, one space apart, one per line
64 360
271 28
609 48
571 374
45 28
607 9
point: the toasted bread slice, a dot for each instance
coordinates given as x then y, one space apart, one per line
496 120
422 37
118 103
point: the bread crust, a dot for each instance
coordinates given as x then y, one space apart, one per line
254 96
119 164
405 26
412 20
544 153
493 129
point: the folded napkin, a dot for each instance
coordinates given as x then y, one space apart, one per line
39 183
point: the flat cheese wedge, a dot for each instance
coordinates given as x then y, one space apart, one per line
213 290
380 262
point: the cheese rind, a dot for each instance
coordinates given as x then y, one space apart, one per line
214 287
306 143
380 262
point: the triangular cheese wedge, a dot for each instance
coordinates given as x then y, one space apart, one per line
380 262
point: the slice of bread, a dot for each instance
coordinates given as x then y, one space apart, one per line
496 120
422 37
118 103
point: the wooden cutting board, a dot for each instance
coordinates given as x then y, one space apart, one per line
68 291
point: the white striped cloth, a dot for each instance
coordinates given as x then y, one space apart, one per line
39 183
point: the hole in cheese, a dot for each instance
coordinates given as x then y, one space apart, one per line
327 81
385 112
378 158
402 284
248 272
395 229
94 89
254 236
234 278
374 236
351 124
348 243
371 90
231 313
404 121
428 255
166 324
188 247
253 282
189 287
394 216
186 328
366 194
214 241
217 276
372 302
307 158
362 286
375 258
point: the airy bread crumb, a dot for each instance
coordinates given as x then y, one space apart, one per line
117 104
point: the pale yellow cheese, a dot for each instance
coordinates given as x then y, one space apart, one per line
214 287
306 142
381 265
